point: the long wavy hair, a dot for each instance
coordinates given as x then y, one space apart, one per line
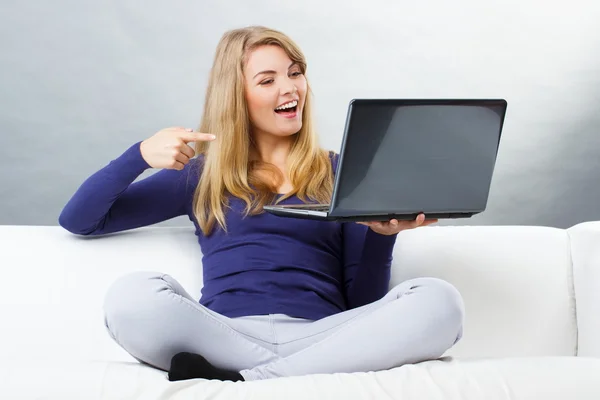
226 168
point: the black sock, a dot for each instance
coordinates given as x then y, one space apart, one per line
190 366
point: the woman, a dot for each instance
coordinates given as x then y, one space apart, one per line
279 299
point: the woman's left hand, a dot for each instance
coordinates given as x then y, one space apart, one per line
394 226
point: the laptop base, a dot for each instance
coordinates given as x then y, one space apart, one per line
324 215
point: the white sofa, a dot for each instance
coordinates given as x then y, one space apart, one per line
532 329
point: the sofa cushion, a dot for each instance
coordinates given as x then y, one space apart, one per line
552 378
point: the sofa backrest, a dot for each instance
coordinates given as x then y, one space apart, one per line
516 282
55 284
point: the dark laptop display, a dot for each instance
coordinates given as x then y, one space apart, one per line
401 157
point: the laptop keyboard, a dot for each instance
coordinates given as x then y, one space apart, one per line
319 208
311 207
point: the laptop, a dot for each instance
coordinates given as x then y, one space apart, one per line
403 157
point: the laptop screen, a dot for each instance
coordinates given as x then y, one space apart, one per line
408 156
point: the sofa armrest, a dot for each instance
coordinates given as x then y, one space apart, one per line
585 254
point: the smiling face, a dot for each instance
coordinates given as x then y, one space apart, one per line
275 89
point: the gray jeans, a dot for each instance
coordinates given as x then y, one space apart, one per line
153 318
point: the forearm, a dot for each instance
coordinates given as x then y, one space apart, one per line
89 207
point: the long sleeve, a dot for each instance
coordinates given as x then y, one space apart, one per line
367 263
110 201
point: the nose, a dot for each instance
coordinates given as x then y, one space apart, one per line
288 87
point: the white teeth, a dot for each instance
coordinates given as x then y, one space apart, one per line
288 105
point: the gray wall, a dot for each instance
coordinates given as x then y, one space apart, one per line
81 81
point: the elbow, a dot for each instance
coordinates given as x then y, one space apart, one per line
71 224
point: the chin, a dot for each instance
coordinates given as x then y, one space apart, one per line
289 130
282 128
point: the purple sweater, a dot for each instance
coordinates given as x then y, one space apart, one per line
264 265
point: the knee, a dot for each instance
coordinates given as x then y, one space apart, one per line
442 302
132 295
447 301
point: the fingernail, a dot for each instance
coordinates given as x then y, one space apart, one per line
189 130
213 137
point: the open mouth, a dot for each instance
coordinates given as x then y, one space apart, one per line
288 108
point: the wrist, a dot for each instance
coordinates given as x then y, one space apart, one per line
142 150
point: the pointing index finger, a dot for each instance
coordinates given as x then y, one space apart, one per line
197 136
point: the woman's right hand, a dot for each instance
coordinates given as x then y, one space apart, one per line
169 149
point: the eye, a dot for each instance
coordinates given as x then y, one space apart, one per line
297 73
266 82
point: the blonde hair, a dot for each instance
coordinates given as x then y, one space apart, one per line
226 169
